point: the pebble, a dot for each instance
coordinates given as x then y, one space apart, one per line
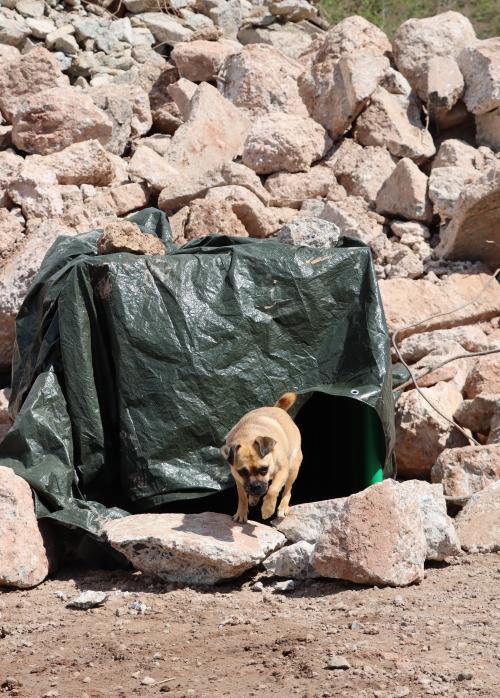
88 599
148 681
335 662
258 586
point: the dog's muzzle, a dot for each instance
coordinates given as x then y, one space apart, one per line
256 488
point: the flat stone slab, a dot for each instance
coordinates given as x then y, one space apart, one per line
192 548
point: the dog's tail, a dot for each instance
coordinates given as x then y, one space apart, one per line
286 401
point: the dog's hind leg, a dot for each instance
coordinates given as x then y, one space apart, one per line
287 493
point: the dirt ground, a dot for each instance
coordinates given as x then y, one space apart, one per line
440 638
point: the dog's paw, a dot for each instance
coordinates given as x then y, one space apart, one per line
283 510
240 517
268 509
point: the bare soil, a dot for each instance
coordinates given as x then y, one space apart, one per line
440 638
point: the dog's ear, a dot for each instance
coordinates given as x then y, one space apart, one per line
264 445
228 452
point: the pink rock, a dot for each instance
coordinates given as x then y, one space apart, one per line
484 376
404 193
23 562
126 236
378 539
192 548
31 73
291 189
53 119
467 470
211 217
11 232
478 524
81 163
200 61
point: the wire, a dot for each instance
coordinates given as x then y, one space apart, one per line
413 380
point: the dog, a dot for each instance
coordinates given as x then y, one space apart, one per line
264 452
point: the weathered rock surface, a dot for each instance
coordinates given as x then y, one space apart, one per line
484 376
204 217
312 232
23 562
86 162
125 236
478 524
53 119
404 193
200 61
445 84
11 232
464 471
477 414
446 184
421 433
488 129
284 143
480 66
351 215
192 548
291 189
306 522
470 338
418 41
377 539
293 561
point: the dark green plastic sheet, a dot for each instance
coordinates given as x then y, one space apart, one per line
129 370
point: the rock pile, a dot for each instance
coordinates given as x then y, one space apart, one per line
255 118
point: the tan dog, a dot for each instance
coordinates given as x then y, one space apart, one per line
263 450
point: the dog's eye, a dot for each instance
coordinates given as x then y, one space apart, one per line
243 472
263 470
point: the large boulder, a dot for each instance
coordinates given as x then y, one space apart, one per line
23 561
473 232
446 184
201 60
31 73
421 432
393 121
260 80
418 41
480 66
378 539
192 548
308 521
464 471
445 85
36 191
404 193
478 524
407 301
281 142
53 119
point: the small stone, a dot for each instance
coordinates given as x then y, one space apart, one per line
125 236
312 232
148 681
258 586
285 586
88 599
336 662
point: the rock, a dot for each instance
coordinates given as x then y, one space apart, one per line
475 222
352 217
182 92
11 32
11 232
88 599
480 65
421 433
200 61
210 218
261 80
349 36
445 186
439 530
418 41
455 153
464 471
445 84
8 53
166 116
290 39
40 27
407 302
335 98
361 171
470 337
212 135
192 548
53 119
284 143
292 561
291 189
16 276
306 522
402 262
488 129
258 220
147 165
125 236
19 79
484 376
10 165
293 10
393 121
81 163
166 29
477 414
478 524
404 229
128 197
311 232
335 662
24 562
36 191
377 539
404 193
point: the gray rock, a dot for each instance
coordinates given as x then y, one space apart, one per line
478 524
312 232
306 522
88 599
192 548
292 561
335 662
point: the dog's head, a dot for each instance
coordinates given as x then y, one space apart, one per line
252 463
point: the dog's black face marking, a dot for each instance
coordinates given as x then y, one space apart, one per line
264 445
263 470
243 472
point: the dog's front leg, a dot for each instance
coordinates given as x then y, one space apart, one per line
241 515
269 503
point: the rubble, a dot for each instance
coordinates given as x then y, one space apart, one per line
467 470
478 524
125 236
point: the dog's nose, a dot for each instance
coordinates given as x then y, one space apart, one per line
256 487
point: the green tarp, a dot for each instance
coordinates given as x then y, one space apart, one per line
129 370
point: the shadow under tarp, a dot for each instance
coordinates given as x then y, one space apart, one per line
129 371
